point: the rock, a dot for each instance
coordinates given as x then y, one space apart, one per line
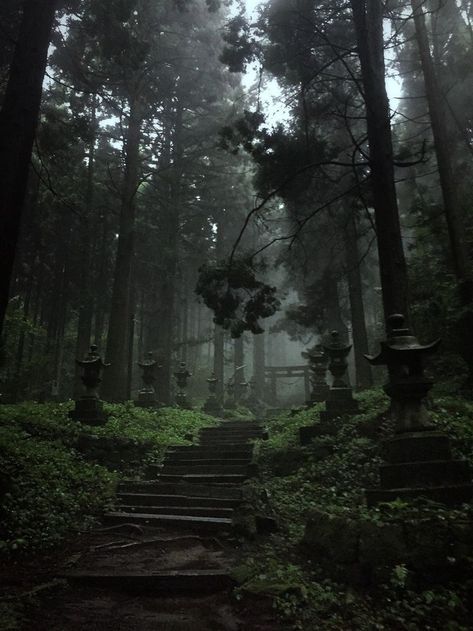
382 546
330 539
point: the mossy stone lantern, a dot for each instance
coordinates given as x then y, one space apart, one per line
89 409
418 458
340 399
182 376
213 405
147 394
318 368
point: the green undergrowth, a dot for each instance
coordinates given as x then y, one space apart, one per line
57 475
330 476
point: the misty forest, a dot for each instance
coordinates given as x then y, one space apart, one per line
236 315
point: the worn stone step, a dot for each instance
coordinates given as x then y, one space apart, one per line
194 469
240 425
230 431
196 524
210 478
223 449
210 453
158 487
168 582
152 499
192 463
191 511
228 443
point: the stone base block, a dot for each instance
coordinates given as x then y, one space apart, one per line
89 411
147 400
424 474
451 495
212 407
417 447
309 432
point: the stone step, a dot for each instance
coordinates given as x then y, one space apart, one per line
191 511
166 583
426 473
230 431
240 425
228 443
151 499
194 469
210 478
196 524
158 487
233 448
212 453
197 462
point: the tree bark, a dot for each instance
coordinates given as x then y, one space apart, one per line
355 290
259 365
18 122
86 305
438 116
368 21
115 377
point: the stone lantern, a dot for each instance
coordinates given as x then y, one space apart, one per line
89 409
318 368
212 405
182 375
418 458
241 390
147 394
340 399
230 403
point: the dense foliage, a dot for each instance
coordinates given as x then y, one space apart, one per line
58 476
311 587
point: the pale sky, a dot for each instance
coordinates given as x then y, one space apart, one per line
271 94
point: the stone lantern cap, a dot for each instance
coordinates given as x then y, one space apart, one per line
336 348
316 352
92 358
401 347
212 379
149 361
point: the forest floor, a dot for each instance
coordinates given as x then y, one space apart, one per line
56 604
137 572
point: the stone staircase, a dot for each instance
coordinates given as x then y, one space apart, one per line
184 509
197 487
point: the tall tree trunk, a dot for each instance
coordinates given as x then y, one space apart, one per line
259 365
368 21
115 377
360 337
239 360
451 200
86 310
219 333
18 121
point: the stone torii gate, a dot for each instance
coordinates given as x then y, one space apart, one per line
273 373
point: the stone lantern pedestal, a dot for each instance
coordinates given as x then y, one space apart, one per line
339 401
318 368
418 459
89 408
212 405
182 375
147 394
230 402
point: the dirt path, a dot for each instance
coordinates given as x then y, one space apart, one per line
164 557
